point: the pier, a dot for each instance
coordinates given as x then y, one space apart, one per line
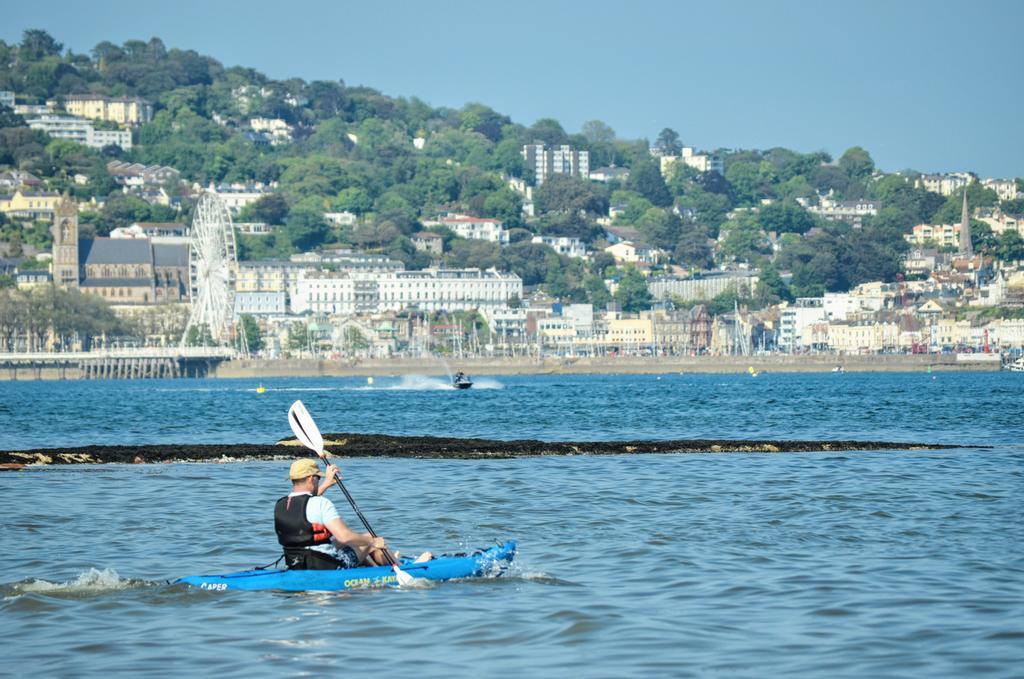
114 364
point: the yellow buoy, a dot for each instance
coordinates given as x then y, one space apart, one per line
369 380
260 389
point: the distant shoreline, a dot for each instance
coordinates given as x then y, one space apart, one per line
602 365
816 363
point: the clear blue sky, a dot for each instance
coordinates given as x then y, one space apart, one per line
930 85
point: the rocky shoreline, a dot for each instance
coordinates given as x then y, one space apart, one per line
347 445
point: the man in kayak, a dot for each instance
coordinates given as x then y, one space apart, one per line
306 523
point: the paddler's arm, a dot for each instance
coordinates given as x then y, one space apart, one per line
330 478
344 535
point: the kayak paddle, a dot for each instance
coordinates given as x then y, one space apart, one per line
308 434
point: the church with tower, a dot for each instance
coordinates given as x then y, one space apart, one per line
123 271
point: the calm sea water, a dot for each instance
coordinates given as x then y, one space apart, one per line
900 563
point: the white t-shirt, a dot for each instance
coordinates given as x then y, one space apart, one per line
321 510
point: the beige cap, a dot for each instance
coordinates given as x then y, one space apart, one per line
302 469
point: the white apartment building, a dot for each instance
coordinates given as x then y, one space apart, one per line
7 99
944 184
81 131
349 260
545 161
344 218
701 162
333 292
261 304
582 318
796 323
866 338
563 245
476 228
237 196
1000 222
28 110
253 228
270 275
427 290
850 306
123 110
610 174
1006 189
942 235
507 323
850 211
279 131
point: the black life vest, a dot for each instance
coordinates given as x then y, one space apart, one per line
294 531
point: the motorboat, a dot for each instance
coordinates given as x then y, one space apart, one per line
461 381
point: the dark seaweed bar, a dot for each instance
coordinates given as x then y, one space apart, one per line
373 445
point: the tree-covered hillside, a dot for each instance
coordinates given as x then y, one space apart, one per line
353 149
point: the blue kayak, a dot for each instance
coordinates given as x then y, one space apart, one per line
485 562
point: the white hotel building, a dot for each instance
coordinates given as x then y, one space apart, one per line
427 290
475 228
81 131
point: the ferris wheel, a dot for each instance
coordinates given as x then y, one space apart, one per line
212 268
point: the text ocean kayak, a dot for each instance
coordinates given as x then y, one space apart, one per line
487 562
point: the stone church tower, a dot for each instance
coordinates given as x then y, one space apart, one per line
65 244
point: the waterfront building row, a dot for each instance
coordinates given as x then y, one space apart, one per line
431 289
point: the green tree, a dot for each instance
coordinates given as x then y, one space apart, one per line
563 193
477 254
743 239
298 337
249 334
597 132
1013 207
661 228
856 163
645 178
771 289
506 205
785 217
353 199
597 291
37 44
750 181
668 142
354 340
547 131
1011 247
692 248
632 293
528 260
270 209
199 336
305 227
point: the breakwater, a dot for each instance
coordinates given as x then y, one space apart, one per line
349 445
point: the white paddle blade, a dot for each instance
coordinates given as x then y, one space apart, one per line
404 579
305 428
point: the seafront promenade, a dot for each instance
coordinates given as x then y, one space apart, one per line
605 365
56 366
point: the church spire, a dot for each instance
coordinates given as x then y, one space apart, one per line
966 248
